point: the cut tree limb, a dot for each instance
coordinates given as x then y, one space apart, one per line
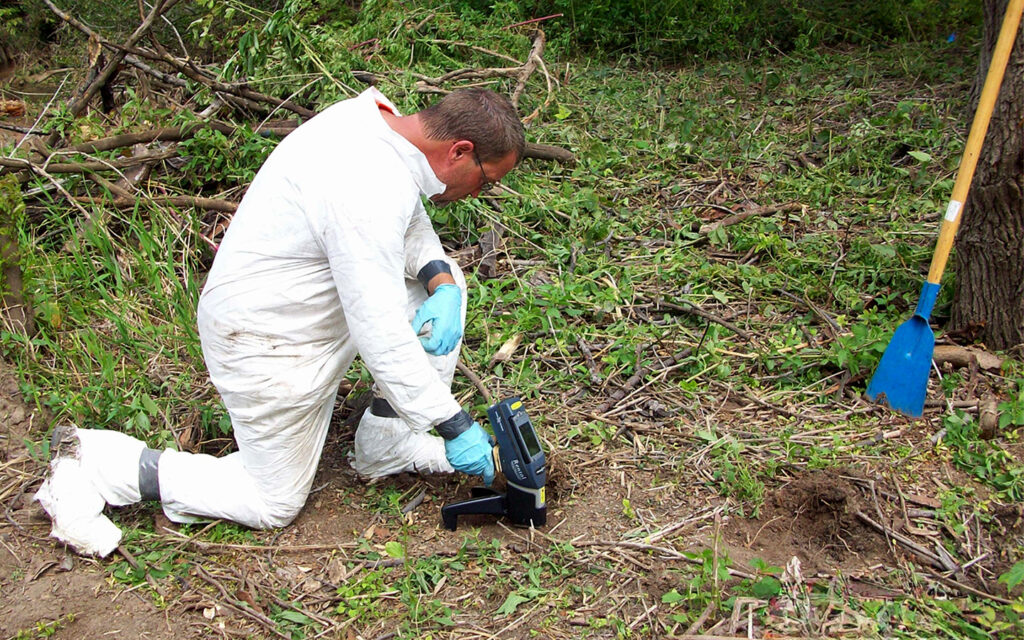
965 356
82 167
531 65
548 152
210 204
750 213
691 308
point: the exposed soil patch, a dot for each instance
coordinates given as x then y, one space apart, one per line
814 518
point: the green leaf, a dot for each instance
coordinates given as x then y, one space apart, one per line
394 549
883 250
149 405
672 597
767 587
920 156
1014 576
511 602
296 617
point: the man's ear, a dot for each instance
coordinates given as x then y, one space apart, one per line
458 149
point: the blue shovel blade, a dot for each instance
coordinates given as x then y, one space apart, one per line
901 379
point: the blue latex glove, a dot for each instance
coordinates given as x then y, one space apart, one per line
443 309
470 452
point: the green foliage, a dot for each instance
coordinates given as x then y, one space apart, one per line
358 595
735 474
216 159
983 459
108 310
1014 576
12 218
675 29
1011 412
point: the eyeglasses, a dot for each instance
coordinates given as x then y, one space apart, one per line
488 183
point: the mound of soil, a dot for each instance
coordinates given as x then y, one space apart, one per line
813 518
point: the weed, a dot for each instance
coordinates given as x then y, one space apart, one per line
733 472
360 595
983 459
45 628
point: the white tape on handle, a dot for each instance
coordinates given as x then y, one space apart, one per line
953 210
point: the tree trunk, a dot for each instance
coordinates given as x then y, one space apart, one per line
989 291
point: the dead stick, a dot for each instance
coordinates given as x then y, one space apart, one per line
470 74
969 589
475 379
595 377
532 21
85 167
903 540
701 619
238 605
834 327
638 377
665 551
209 204
740 217
707 315
79 105
242 91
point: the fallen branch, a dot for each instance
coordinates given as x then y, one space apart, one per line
638 377
831 325
531 21
210 204
707 315
595 376
81 103
81 167
708 229
475 379
469 74
238 605
531 65
906 542
966 356
548 152
490 245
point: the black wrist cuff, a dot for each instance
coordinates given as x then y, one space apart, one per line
382 408
454 425
430 270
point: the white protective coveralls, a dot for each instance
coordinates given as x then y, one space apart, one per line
319 264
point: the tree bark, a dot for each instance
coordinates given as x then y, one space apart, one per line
988 298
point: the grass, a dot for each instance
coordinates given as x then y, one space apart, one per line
606 253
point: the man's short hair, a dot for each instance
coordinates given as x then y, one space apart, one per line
483 117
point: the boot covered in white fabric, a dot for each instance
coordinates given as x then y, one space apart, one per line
386 445
73 502
111 459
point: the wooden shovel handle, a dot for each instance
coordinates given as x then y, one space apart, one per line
986 103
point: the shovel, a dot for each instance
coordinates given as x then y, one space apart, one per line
901 378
